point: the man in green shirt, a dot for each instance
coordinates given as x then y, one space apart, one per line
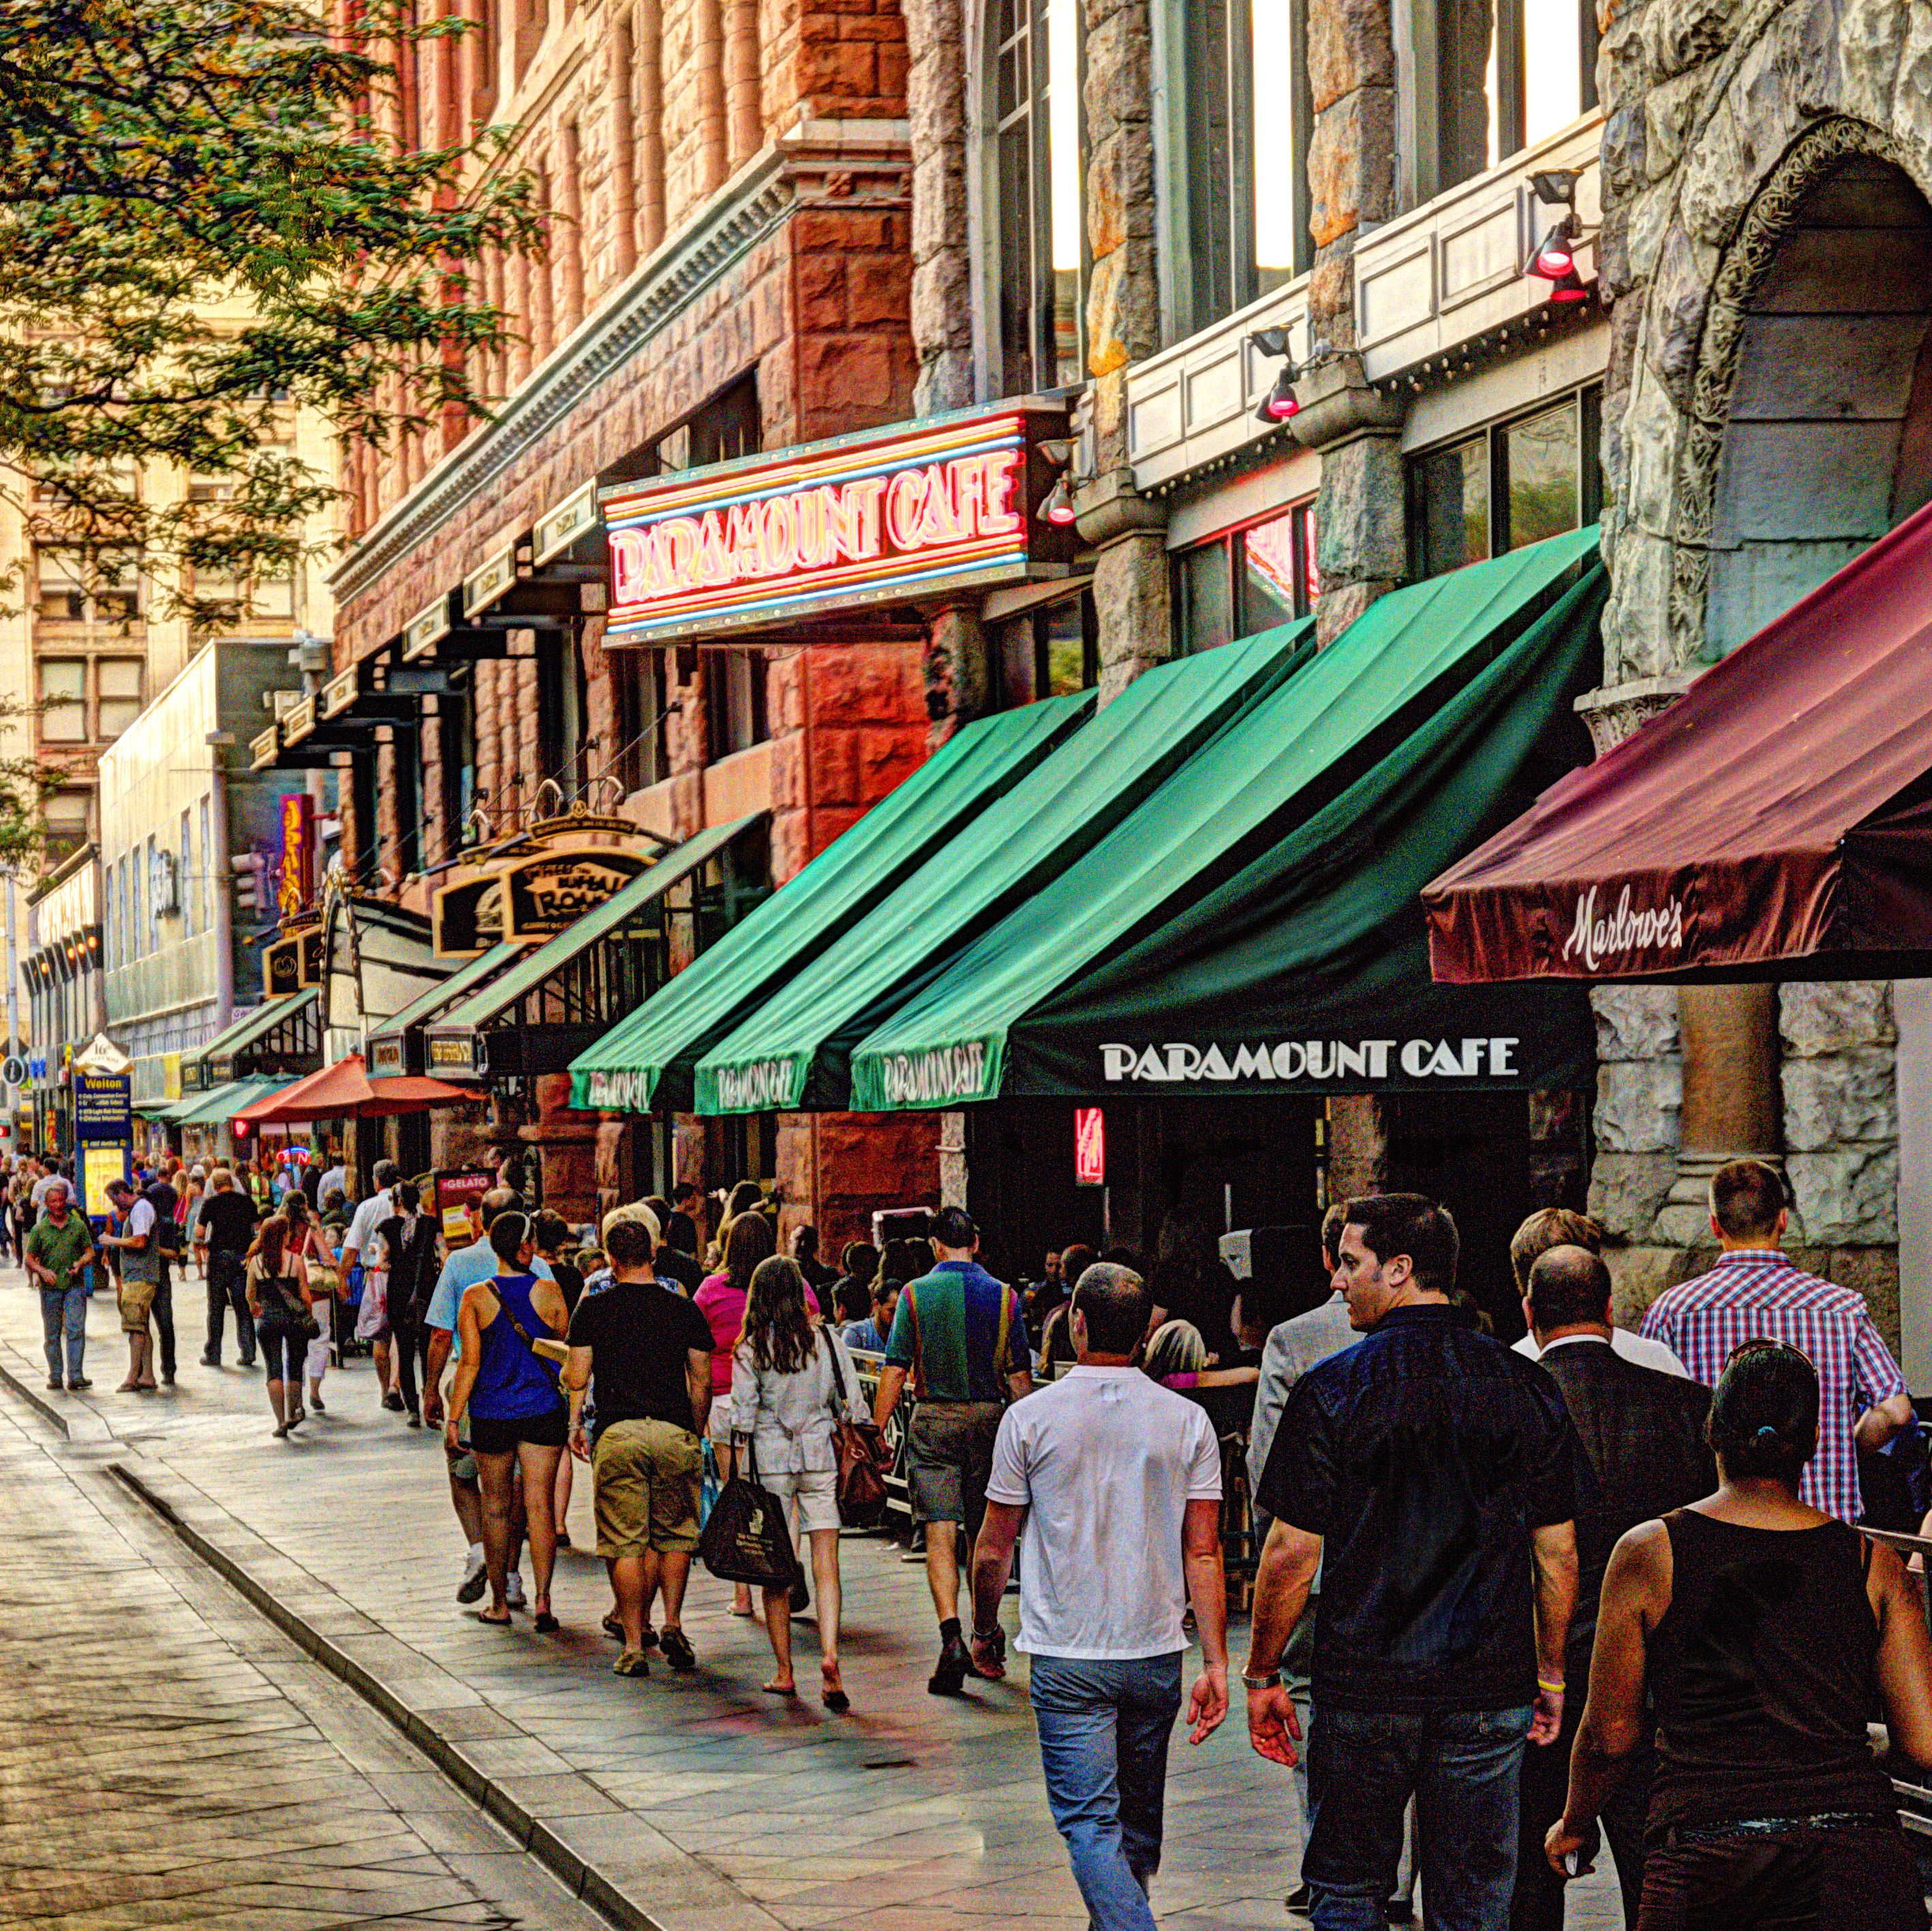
59 1250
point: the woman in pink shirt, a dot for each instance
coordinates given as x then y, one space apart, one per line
720 1299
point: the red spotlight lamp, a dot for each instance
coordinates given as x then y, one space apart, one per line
1057 507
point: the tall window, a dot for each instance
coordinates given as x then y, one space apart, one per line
1510 484
186 887
734 700
207 866
119 682
1036 193
1507 73
1236 134
63 682
1050 652
1246 582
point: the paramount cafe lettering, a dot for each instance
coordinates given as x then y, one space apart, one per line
756 1088
1179 1062
907 513
618 1091
947 1072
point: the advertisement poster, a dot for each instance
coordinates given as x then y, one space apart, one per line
456 1193
104 1132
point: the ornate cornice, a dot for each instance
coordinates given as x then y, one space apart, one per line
844 164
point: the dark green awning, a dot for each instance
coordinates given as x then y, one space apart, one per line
647 1058
1306 969
794 1051
254 1025
224 1102
1265 775
388 1053
637 899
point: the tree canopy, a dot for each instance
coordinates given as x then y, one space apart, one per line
159 158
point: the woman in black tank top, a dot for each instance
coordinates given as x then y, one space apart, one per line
1764 1633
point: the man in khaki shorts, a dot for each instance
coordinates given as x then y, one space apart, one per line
650 1349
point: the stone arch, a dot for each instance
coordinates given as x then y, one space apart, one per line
1755 106
1725 582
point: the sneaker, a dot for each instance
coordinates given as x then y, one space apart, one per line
316 1401
54 1383
393 1402
415 1419
632 1663
74 1387
211 1361
475 1578
513 1593
247 1361
677 1650
954 1666
167 1377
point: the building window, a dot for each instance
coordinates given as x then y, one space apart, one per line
185 891
1036 200
734 700
726 427
63 700
153 900
64 820
1050 652
1507 74
207 867
58 597
1512 484
1246 582
1236 129
119 682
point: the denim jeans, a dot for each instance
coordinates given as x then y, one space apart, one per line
1463 1769
64 1315
1104 1726
228 1288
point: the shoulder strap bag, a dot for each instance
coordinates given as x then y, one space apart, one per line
550 1350
863 1457
745 1539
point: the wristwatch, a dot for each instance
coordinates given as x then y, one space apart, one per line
1272 1680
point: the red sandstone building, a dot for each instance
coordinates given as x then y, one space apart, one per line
728 273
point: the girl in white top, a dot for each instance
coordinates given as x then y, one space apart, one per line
786 1375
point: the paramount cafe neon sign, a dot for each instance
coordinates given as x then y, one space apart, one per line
863 520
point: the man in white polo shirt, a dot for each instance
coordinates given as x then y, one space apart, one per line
1112 1484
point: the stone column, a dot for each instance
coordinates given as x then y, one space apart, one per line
1361 537
958 675
1731 1106
942 264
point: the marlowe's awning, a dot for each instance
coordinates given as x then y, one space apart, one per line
794 1051
1306 969
1775 821
647 1058
1267 773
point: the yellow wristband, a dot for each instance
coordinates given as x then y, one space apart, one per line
1554 1689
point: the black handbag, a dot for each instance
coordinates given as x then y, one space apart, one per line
744 1538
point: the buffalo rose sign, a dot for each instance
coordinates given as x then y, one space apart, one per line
886 517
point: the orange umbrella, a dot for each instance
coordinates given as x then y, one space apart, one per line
344 1091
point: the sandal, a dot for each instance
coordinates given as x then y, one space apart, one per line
546 1624
777 1689
677 1650
505 1621
632 1663
833 1695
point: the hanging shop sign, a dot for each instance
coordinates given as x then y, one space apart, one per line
292 961
543 881
104 1133
294 884
881 517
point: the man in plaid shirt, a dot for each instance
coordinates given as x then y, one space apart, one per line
1754 1291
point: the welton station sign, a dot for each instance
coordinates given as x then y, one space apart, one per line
886 517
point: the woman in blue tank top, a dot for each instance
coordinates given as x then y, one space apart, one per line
507 1393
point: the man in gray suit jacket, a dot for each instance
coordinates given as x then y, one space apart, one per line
1642 1432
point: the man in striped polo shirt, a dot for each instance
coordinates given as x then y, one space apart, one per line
1754 1291
958 1333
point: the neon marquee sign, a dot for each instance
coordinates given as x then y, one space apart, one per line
867 519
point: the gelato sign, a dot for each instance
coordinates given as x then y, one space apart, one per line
866 519
1344 1065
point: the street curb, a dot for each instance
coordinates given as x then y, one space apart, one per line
583 1880
34 1399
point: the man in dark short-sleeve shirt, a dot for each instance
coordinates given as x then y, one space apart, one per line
1436 1477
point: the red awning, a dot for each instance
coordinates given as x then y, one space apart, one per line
343 1091
1775 821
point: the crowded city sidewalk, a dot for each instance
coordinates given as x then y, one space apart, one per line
706 1805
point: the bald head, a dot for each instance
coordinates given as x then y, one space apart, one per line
1569 1286
498 1200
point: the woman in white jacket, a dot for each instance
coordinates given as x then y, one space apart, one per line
786 1376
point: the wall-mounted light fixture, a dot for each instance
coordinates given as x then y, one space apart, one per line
1057 507
1553 259
1280 404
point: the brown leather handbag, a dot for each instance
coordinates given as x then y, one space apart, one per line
863 1459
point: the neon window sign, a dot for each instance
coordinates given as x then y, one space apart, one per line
870 519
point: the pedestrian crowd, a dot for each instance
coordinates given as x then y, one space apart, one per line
1511 1605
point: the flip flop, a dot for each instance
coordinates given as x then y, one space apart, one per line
505 1621
791 1690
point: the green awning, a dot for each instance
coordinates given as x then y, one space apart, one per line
469 975
647 1058
637 898
255 1024
224 1102
1283 761
794 1051
1305 970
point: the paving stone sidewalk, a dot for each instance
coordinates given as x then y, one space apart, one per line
167 1757
714 1807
